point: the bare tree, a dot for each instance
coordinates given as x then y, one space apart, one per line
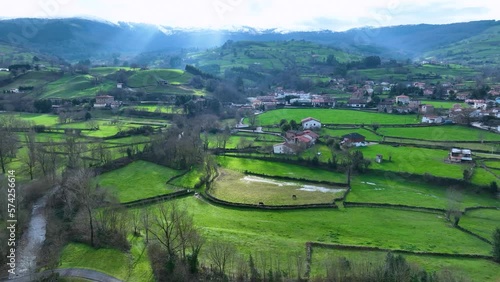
8 144
30 158
74 151
221 253
80 190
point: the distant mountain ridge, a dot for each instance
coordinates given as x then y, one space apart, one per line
76 38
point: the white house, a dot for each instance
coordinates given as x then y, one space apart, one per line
460 155
432 119
403 99
309 123
283 148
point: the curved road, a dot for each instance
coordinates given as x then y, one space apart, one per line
91 275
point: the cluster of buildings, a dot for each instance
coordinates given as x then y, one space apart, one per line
297 141
292 98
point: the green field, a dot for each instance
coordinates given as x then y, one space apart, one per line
138 180
280 169
413 160
443 104
190 179
39 119
441 133
370 136
107 70
146 78
266 56
390 189
427 73
74 86
482 222
132 266
36 79
334 116
474 269
355 226
237 187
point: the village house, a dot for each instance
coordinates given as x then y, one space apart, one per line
103 101
420 85
119 85
428 92
426 109
353 139
385 106
356 103
402 99
310 123
284 148
432 119
459 155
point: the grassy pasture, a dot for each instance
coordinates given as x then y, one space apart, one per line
109 261
36 79
334 116
190 179
370 136
441 133
107 70
446 145
493 164
442 104
39 119
235 187
279 169
376 188
482 222
413 160
138 180
132 266
147 78
73 86
474 269
483 177
357 226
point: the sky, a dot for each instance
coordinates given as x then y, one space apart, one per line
262 14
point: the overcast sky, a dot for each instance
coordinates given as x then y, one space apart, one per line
281 14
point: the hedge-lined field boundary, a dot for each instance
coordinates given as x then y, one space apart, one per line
392 206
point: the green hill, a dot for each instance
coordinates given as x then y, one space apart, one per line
483 48
147 78
266 56
72 86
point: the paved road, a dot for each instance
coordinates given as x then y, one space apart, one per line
91 275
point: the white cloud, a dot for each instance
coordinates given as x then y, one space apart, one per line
285 14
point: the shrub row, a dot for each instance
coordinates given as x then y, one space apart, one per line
394 206
473 234
366 248
466 210
157 199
